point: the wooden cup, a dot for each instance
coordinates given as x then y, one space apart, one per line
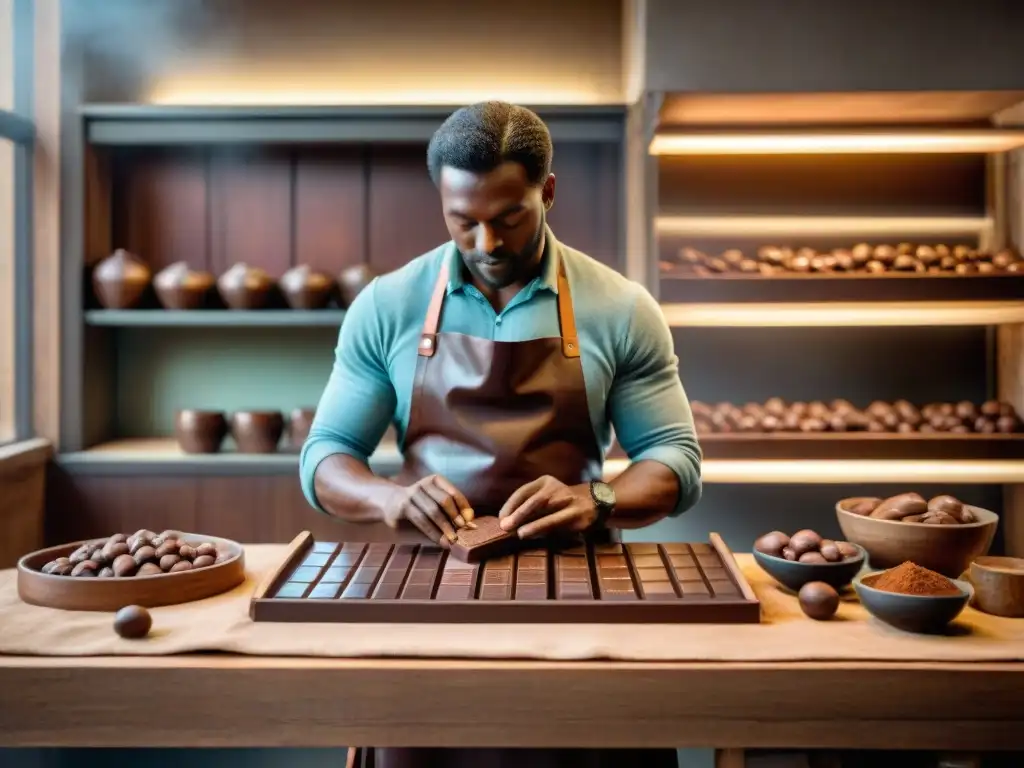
998 585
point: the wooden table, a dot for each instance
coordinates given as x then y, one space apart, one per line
224 700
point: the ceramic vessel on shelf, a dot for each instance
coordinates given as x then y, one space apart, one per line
947 549
354 279
120 280
305 288
998 585
180 287
911 613
257 431
245 287
794 574
299 422
200 431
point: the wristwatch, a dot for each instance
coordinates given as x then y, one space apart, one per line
604 499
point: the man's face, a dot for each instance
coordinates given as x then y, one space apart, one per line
496 220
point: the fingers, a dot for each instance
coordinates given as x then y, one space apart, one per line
520 495
548 523
539 504
429 507
461 502
446 501
424 525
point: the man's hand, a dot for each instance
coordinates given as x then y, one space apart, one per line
434 506
547 505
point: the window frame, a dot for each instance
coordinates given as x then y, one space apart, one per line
18 127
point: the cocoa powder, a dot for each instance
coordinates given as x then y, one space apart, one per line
912 579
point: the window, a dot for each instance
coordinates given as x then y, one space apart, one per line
16 142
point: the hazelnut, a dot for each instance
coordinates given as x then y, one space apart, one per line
813 557
203 561
861 253
133 622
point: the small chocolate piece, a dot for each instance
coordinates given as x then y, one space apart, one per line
818 600
483 542
133 622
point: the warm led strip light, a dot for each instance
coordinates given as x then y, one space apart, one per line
839 314
815 143
838 226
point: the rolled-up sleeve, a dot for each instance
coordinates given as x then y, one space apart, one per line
358 402
648 407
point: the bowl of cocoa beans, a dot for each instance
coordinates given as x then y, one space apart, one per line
806 556
942 533
143 568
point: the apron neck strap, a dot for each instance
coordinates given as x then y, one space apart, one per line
566 317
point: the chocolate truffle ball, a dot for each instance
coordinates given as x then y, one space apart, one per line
133 622
818 600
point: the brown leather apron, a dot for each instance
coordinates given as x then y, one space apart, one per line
491 416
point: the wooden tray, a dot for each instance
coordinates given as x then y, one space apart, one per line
111 594
598 583
800 287
854 445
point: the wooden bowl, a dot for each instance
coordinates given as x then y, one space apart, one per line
946 549
299 423
257 431
794 575
72 593
120 280
245 287
998 585
911 613
200 431
180 287
304 288
353 280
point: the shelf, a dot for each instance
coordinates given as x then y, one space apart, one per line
686 287
818 142
162 457
788 227
861 445
842 314
142 124
225 318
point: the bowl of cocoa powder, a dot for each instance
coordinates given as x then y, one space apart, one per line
912 598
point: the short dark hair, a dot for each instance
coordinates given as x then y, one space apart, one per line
480 137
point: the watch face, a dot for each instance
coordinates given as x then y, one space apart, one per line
604 494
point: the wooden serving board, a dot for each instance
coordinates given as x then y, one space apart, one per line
596 583
111 594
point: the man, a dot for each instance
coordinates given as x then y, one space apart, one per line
504 359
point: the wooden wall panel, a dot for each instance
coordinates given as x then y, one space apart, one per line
253 509
250 211
161 203
330 208
405 210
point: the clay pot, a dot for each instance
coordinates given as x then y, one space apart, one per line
352 280
245 287
257 431
299 423
120 280
180 287
304 288
200 431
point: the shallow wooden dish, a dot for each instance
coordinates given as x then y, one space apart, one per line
72 593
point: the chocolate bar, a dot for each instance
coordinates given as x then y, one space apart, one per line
485 541
627 583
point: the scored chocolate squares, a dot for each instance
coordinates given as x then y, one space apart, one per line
485 541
